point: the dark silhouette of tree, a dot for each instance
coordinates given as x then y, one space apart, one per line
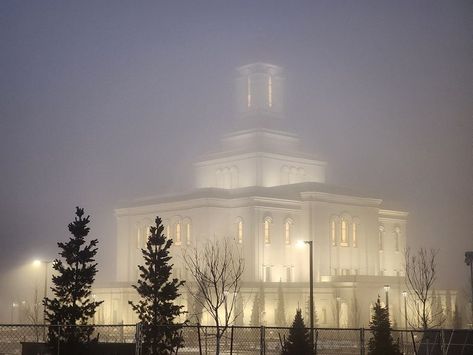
156 308
217 270
298 341
72 307
382 342
421 274
280 313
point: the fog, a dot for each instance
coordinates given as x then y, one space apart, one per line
105 102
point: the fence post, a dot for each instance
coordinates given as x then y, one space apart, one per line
262 344
138 339
231 340
362 341
199 339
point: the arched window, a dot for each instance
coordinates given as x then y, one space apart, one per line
178 234
380 238
397 235
344 233
188 233
333 232
168 231
288 231
354 234
239 227
267 230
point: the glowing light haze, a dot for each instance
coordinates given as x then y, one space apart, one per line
104 102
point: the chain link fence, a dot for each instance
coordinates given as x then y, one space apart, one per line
242 340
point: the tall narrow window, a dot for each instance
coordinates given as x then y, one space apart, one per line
288 227
397 234
354 235
168 231
270 92
178 234
267 231
240 231
333 233
188 233
344 237
380 238
249 91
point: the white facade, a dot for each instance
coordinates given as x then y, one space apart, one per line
261 190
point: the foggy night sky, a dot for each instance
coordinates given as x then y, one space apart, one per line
103 102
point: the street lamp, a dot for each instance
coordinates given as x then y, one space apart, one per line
37 263
404 295
338 311
311 287
469 262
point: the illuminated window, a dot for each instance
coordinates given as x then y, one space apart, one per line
249 91
270 91
240 231
188 233
380 237
178 234
397 234
344 238
267 231
354 235
138 239
288 227
168 231
333 233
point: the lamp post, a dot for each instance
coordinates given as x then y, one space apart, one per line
404 295
311 288
338 311
469 262
37 263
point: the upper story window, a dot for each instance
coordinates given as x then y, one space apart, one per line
188 233
397 235
288 231
239 230
267 230
178 234
354 234
344 233
168 231
333 232
380 238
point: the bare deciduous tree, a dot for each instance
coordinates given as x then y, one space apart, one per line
217 271
421 274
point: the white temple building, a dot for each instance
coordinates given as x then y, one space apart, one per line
261 190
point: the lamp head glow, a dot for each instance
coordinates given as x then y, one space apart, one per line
300 244
404 294
36 263
386 288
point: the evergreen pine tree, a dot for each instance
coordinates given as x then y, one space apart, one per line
382 342
156 309
280 316
72 284
298 341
